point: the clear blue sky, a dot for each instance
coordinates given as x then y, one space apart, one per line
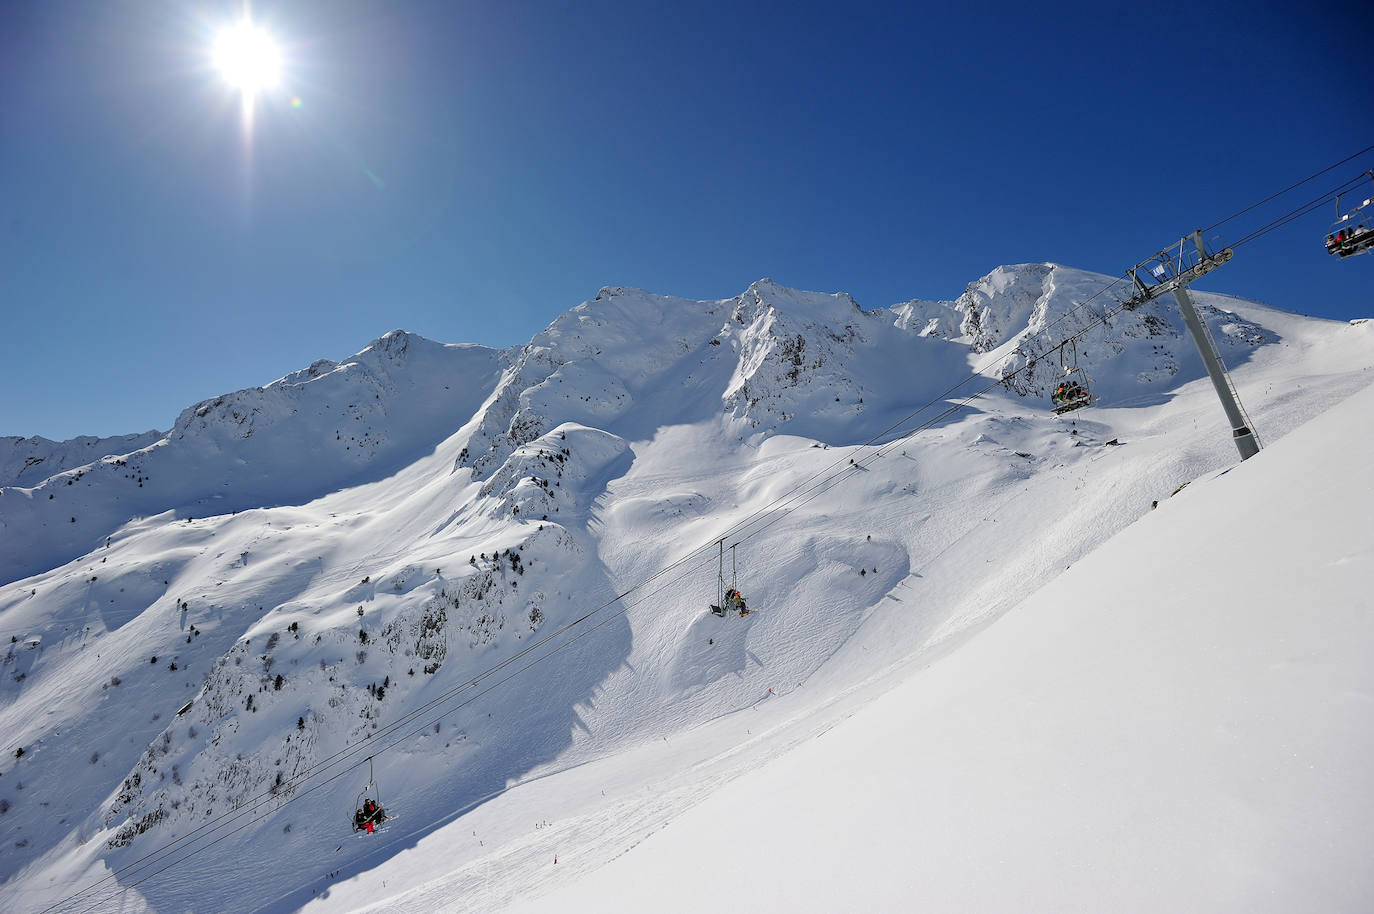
469 170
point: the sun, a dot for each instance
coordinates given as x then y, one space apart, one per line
248 58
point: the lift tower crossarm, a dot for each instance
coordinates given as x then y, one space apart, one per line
1173 272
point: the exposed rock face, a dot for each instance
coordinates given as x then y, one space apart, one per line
1017 316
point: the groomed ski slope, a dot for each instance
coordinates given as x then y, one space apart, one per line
1184 721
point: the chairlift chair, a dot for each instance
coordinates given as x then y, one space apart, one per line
728 599
361 818
1074 390
1353 231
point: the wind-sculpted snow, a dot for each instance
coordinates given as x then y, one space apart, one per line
296 569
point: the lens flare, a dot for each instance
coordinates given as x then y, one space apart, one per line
247 58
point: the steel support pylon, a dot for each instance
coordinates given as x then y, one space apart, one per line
1240 432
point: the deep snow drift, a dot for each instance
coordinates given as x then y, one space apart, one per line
415 554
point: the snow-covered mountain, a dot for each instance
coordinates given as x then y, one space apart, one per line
415 554
31 460
299 437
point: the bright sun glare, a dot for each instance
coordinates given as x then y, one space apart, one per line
247 58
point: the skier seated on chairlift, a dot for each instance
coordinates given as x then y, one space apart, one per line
735 600
369 816
1346 240
1068 392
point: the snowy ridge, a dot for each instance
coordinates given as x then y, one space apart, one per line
770 360
28 461
806 361
310 562
530 484
587 366
286 443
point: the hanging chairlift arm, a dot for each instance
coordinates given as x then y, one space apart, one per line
1177 266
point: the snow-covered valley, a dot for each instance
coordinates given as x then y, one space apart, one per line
490 570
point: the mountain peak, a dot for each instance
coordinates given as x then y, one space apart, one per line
798 303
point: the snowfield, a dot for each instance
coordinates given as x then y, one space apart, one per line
1179 722
1008 662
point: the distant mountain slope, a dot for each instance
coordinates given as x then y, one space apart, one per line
297 438
29 461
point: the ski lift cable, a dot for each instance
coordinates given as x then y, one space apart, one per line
319 768
1287 189
780 507
1288 217
887 448
1300 211
291 789
778 515
252 813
